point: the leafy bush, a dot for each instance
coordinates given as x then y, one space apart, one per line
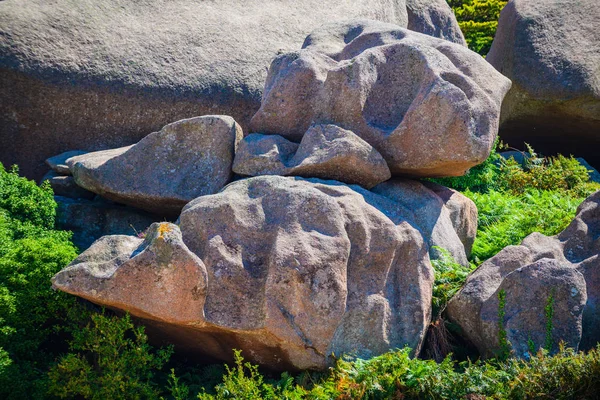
449 278
395 375
109 359
478 20
505 219
32 315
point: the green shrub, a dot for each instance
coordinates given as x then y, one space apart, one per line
478 20
109 359
449 278
395 375
32 315
505 219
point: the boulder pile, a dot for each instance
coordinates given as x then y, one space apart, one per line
95 75
321 244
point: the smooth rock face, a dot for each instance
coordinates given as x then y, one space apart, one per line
294 271
157 276
90 220
446 220
58 163
565 266
166 169
550 49
430 107
326 152
101 74
434 18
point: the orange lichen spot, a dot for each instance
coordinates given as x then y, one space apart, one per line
163 228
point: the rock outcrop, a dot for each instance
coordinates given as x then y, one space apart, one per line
560 272
326 152
429 106
286 269
550 49
103 74
166 169
89 220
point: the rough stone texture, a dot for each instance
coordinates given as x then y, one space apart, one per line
516 268
59 163
550 49
428 212
64 185
434 18
157 276
326 152
429 106
90 220
297 269
102 74
463 213
528 291
166 169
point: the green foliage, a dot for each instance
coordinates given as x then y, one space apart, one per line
506 219
109 359
449 277
395 375
32 315
24 201
478 20
564 174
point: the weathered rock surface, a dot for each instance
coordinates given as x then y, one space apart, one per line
550 49
58 163
64 185
434 18
565 266
326 152
103 74
429 106
90 220
166 169
291 271
157 276
445 218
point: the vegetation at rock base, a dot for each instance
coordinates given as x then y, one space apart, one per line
54 346
478 20
514 200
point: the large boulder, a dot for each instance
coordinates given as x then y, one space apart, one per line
559 273
288 270
166 169
94 75
326 152
550 49
429 106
